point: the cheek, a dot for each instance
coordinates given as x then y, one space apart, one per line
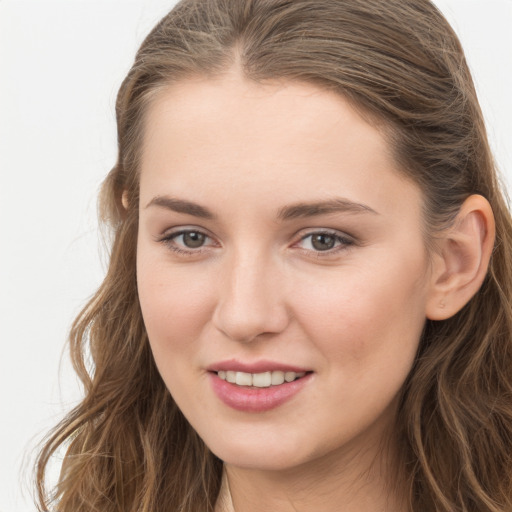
175 304
361 316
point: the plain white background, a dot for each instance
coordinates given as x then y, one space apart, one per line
61 63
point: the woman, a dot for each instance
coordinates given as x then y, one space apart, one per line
308 299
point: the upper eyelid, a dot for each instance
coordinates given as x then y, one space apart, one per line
327 231
305 232
168 239
172 233
344 241
179 230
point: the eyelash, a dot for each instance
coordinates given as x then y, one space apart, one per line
344 242
169 241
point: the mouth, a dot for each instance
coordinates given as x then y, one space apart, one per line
258 392
260 380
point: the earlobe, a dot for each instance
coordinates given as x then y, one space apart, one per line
124 200
460 265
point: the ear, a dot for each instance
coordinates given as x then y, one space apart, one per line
124 199
461 261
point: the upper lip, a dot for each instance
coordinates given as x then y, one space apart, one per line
254 367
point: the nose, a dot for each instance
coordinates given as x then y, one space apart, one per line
251 299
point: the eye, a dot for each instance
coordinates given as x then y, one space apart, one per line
191 239
325 242
187 241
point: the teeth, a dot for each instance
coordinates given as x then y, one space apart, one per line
262 380
243 379
289 376
259 380
277 378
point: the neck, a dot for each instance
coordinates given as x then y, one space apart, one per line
357 480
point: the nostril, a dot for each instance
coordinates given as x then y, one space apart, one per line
250 312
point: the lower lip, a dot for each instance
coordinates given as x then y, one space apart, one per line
253 399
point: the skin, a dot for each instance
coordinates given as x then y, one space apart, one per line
259 289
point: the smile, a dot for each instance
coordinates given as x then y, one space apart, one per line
259 380
258 392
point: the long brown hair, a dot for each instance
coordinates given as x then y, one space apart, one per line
129 448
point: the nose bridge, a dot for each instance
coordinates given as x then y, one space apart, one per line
251 296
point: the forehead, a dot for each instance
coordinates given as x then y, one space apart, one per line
254 113
282 141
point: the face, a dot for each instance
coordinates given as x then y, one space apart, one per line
278 248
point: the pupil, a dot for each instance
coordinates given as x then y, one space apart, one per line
193 239
323 242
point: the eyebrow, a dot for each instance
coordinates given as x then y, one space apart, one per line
181 206
337 205
290 212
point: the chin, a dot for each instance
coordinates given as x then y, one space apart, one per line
269 455
260 462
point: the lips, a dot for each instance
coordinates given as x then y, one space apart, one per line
259 380
257 387
254 367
